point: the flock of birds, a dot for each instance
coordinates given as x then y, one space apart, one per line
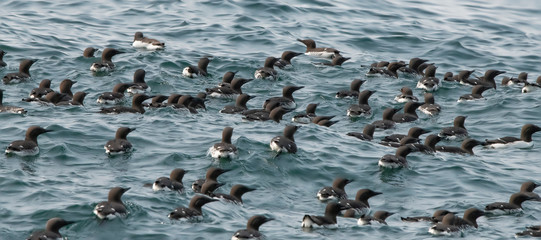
273 109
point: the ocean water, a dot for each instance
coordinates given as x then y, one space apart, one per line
72 173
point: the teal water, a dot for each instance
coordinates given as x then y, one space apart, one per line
72 173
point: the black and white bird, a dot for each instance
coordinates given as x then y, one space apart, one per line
353 89
285 59
106 63
377 217
525 140
51 231
212 174
173 182
366 135
193 210
362 108
406 95
252 228
28 146
286 101
334 192
329 219
199 70
240 105
140 41
457 131
430 107
22 75
224 149
120 144
286 142
116 96
9 109
235 195
322 52
114 206
360 203
267 71
137 106
139 84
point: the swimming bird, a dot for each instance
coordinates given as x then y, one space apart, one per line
462 76
193 210
529 87
201 69
391 70
285 60
429 145
366 135
414 132
212 174
514 204
360 204
185 102
430 107
22 75
209 187
42 90
240 105
413 65
271 112
522 78
157 101
525 140
529 232
379 217
113 206
252 228
28 146
338 60
476 93
286 142
227 78
137 106
362 108
336 192
140 41
2 63
89 52
451 223
224 149
77 100
395 160
324 121
406 95
65 90
106 63
312 50
10 109
51 231
465 148
387 121
487 80
267 71
120 144
457 130
353 89
228 92
307 117
435 218
116 96
173 182
429 82
286 101
173 99
235 195
409 114
331 211
139 85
